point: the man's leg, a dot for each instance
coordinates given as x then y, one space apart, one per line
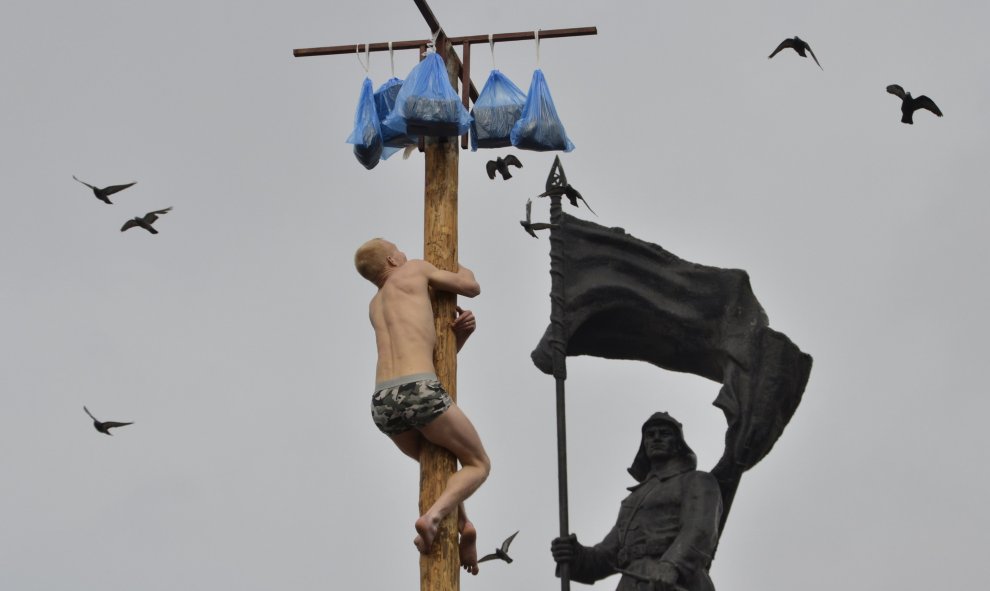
453 431
410 443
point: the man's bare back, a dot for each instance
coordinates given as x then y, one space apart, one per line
402 316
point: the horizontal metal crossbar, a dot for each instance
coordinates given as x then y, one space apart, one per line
471 39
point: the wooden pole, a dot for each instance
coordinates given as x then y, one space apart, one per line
439 570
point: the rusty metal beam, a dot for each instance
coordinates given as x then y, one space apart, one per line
428 16
471 39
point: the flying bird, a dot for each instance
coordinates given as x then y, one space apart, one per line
145 221
104 427
528 225
501 165
104 193
566 191
797 44
909 104
501 553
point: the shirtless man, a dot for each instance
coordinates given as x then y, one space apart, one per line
409 403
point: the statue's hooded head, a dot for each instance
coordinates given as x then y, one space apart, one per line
641 465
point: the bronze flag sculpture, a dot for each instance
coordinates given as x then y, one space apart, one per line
619 297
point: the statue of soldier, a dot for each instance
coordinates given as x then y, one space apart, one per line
665 535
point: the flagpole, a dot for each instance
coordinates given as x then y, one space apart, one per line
559 364
565 575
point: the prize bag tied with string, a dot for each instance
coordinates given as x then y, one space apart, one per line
367 133
427 104
539 128
385 103
499 106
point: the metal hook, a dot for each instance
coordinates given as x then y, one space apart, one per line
433 41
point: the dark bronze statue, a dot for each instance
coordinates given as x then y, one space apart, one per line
668 526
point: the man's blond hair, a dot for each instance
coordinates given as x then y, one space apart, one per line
370 259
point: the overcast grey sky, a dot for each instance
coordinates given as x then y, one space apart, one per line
237 339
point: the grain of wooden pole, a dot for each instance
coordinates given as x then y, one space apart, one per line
439 570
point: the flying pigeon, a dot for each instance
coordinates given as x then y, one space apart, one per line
528 225
501 165
566 191
502 553
104 427
909 104
797 44
146 221
104 193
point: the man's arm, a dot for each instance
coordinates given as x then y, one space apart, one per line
462 282
463 326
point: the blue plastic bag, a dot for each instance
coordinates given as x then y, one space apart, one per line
427 104
385 103
367 134
497 109
539 128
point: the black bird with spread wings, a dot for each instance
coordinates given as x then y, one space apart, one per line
104 427
909 104
145 221
501 165
797 44
557 186
567 191
501 553
104 193
528 224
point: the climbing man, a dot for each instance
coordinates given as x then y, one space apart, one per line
409 403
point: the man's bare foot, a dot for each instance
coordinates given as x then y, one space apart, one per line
467 549
427 529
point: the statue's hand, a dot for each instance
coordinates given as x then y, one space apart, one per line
564 549
667 576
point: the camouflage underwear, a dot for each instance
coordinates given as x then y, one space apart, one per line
398 407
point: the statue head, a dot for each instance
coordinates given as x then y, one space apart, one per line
656 431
